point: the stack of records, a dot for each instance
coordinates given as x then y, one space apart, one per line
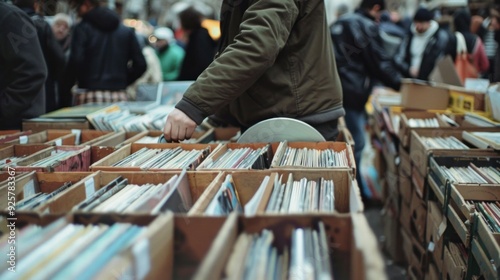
176 158
226 200
126 121
311 158
121 197
306 257
472 174
242 158
38 199
449 143
489 212
423 122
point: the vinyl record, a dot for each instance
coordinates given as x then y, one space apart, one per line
281 129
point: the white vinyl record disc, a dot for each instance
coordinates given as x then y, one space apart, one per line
281 129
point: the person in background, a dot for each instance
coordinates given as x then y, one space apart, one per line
391 33
200 47
486 31
275 60
362 62
22 69
462 22
61 27
105 56
52 52
423 47
153 73
170 54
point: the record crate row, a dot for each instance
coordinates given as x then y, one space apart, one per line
38 194
168 246
403 161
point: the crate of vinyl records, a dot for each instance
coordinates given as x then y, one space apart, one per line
35 189
425 143
112 247
420 119
155 157
231 156
448 167
313 155
455 261
14 153
56 159
49 137
9 135
41 124
293 247
109 145
280 192
133 193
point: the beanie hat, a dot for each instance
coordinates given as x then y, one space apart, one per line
164 33
423 15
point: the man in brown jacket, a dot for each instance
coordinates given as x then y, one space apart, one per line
275 60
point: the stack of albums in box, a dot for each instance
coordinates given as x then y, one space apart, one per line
444 143
241 158
307 257
489 212
121 197
472 174
310 158
175 158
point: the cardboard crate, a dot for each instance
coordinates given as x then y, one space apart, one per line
405 217
424 95
48 137
415 254
418 217
418 182
463 100
405 189
19 151
106 164
405 128
354 250
64 203
347 196
150 256
486 251
393 184
452 269
336 146
392 233
10 135
41 124
436 225
72 163
419 152
404 161
222 148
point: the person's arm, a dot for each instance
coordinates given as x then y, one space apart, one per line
263 33
400 59
483 63
378 63
22 59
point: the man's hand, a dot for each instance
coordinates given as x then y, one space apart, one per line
178 126
414 72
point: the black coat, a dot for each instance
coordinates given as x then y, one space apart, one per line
101 50
22 69
440 45
361 58
200 52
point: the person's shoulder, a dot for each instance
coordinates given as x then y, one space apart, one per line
10 13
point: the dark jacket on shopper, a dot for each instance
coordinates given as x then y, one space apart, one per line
101 50
275 60
361 58
200 51
54 58
22 69
439 45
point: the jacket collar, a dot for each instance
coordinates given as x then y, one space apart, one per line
365 14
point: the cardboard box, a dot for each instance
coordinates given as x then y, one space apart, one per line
463 100
393 184
404 161
19 151
106 164
353 246
405 217
405 128
335 146
433 273
418 212
418 181
9 135
486 251
392 233
41 124
420 153
48 137
64 203
424 95
454 266
347 196
223 148
405 189
436 225
80 161
415 254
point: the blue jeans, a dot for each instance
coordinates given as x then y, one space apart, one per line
356 123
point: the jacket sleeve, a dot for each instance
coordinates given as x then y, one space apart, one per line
139 64
22 57
400 58
378 63
263 33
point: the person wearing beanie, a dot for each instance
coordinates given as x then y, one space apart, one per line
425 44
361 60
170 54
